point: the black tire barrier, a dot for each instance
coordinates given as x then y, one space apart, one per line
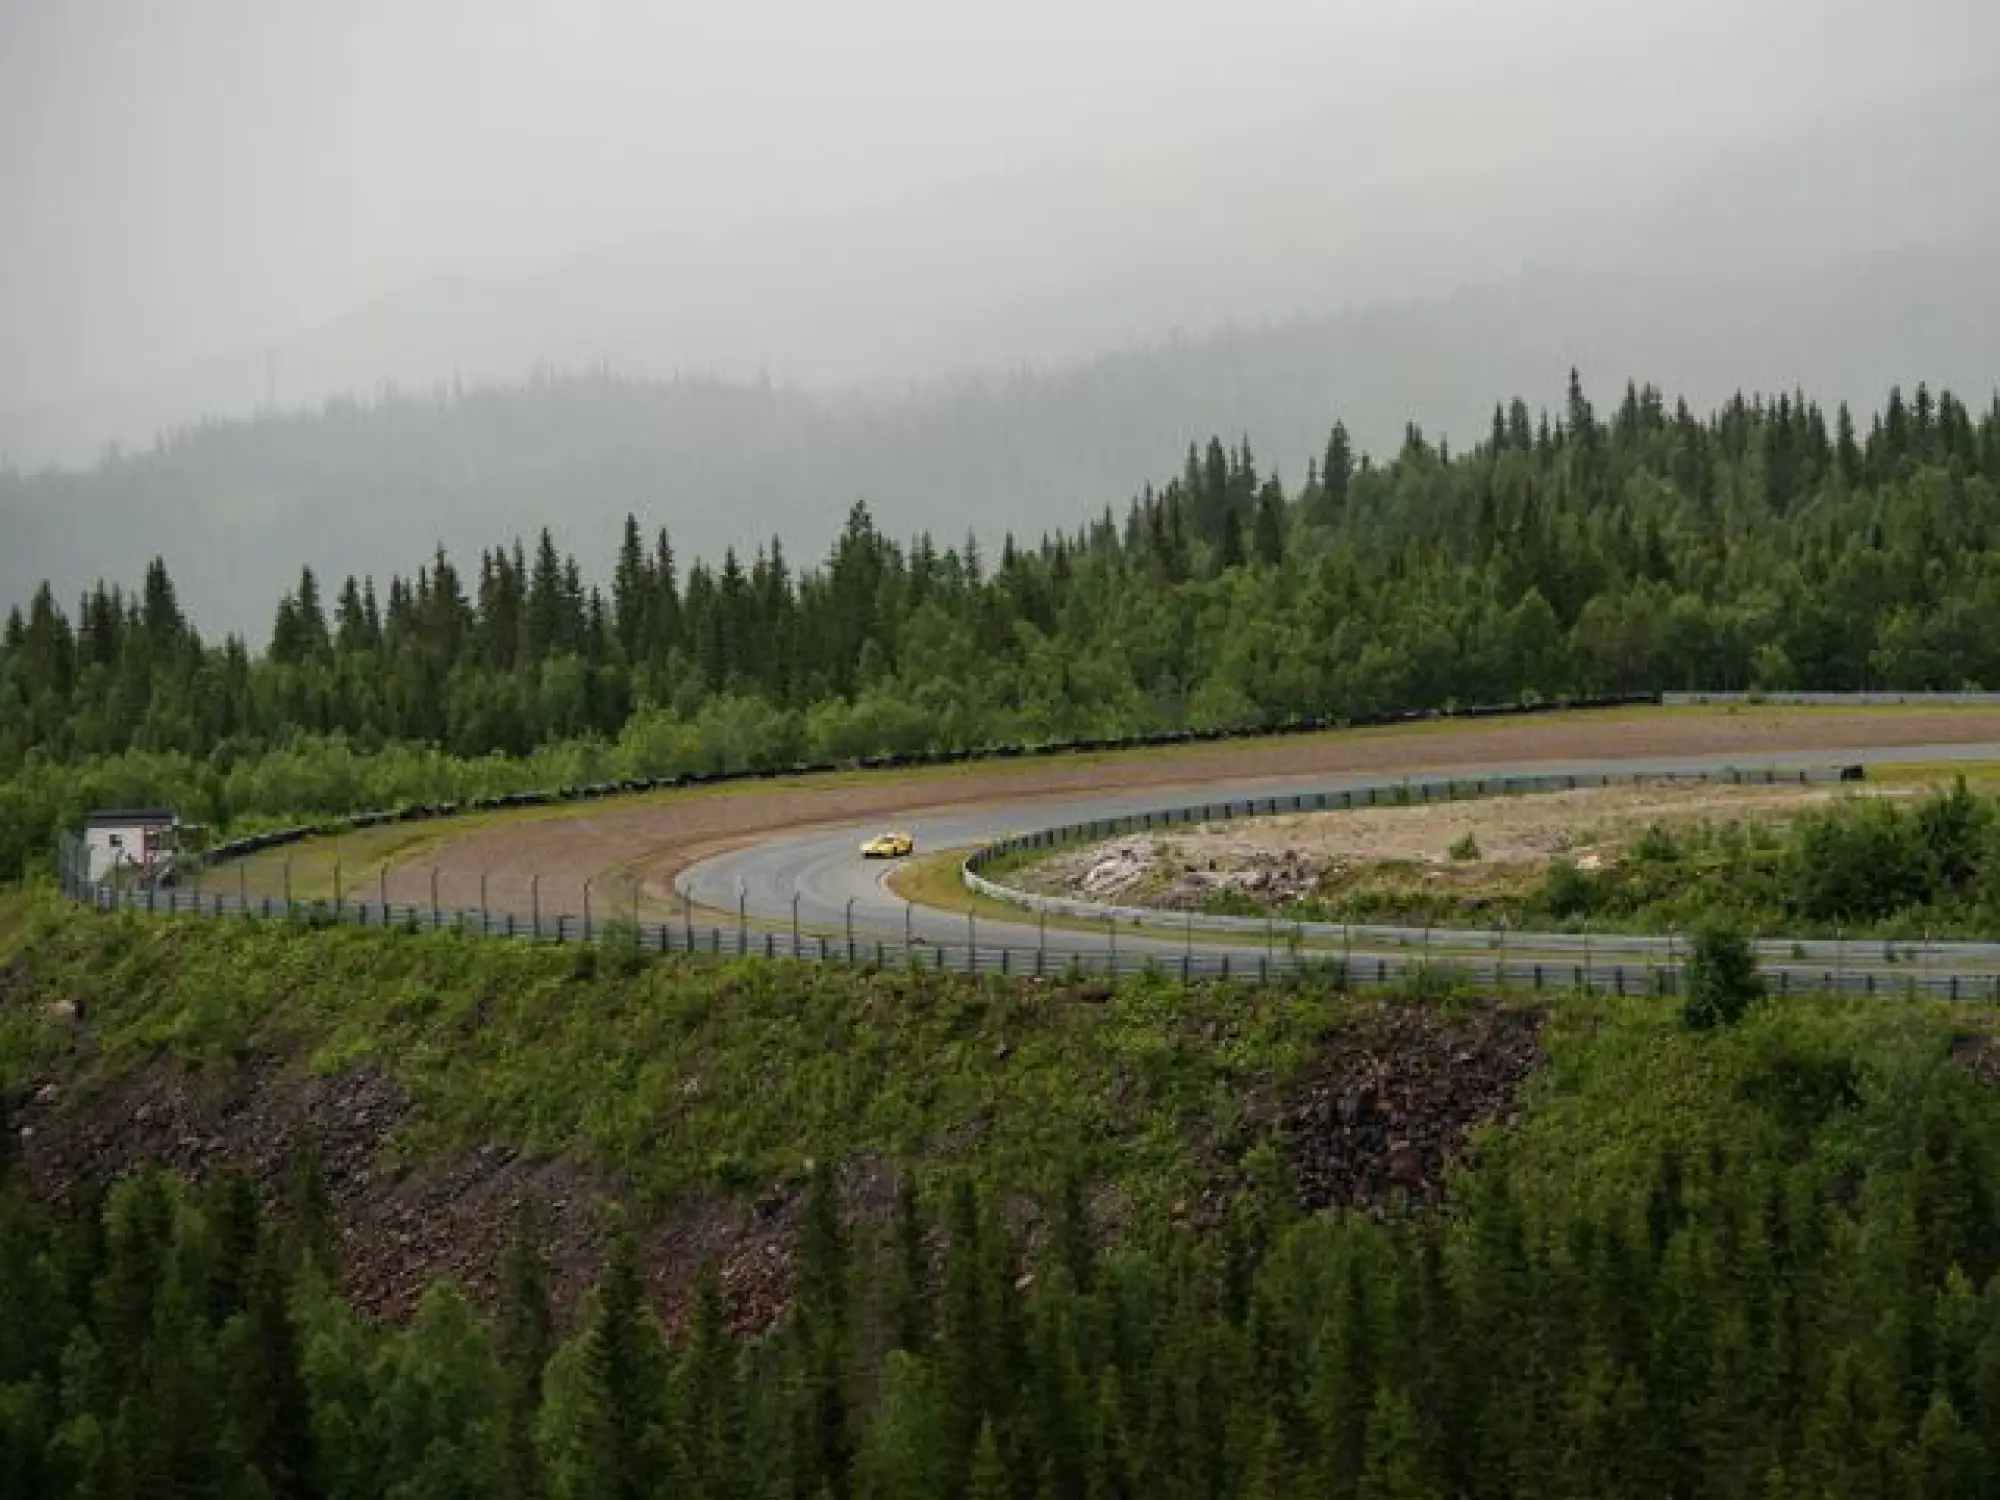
420 812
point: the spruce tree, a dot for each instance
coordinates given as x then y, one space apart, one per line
525 1339
268 1403
989 1474
1395 1467
712 1420
907 1301
822 1332
628 1358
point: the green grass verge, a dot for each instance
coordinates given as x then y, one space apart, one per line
683 1076
688 1078
1626 1083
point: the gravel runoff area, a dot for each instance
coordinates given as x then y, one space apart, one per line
1282 860
649 839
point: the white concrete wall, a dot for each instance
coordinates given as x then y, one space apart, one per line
126 847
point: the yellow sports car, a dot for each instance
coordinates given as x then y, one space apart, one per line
893 845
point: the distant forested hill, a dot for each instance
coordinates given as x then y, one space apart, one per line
1776 543
373 487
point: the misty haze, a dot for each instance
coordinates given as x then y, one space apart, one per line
338 285
1046 750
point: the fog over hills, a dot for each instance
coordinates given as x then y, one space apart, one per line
1058 265
1005 320
236 506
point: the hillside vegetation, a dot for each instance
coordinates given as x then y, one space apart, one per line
1769 544
1756 1260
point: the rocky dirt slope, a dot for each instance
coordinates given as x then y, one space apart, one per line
1397 1095
404 1224
1480 845
1373 1125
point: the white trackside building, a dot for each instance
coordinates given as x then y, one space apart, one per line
130 844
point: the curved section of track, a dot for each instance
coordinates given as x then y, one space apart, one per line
820 881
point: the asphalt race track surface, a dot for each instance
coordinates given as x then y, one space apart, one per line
820 879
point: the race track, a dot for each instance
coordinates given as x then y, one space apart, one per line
820 881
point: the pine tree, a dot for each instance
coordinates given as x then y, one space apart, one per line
1395 1468
602 1431
525 1339
438 1405
235 1219
546 606
1949 1462
900 1457
1271 524
160 616
907 1302
989 1474
712 1423
820 1317
268 1403
1229 549
315 1234
1108 1472
632 591
664 613
169 1428
1072 1241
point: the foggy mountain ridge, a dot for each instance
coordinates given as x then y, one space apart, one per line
1054 267
371 487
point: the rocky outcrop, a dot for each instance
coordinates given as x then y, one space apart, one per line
1397 1095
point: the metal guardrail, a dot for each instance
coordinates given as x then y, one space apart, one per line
1043 963
1279 960
1404 792
1817 966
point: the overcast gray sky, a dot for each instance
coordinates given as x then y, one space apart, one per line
182 177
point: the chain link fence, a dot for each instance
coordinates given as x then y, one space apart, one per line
1055 956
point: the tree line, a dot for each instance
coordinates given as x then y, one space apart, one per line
1764 545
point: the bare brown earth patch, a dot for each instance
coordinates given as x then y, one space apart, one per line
1397 1095
1479 844
1980 1056
404 1225
651 840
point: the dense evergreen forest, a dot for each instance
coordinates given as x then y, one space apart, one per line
1767 545
1757 1262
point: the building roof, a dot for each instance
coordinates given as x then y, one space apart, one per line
150 817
